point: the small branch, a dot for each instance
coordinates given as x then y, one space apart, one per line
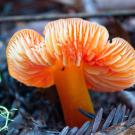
124 13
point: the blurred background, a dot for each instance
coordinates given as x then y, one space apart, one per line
117 15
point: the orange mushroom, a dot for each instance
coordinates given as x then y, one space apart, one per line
75 54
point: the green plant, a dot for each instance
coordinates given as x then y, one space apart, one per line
5 113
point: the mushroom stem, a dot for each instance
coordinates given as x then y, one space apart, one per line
73 93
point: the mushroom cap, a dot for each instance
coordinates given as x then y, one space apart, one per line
24 64
107 66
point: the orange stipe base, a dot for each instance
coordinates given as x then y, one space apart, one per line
73 94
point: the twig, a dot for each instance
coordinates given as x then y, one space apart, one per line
37 17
